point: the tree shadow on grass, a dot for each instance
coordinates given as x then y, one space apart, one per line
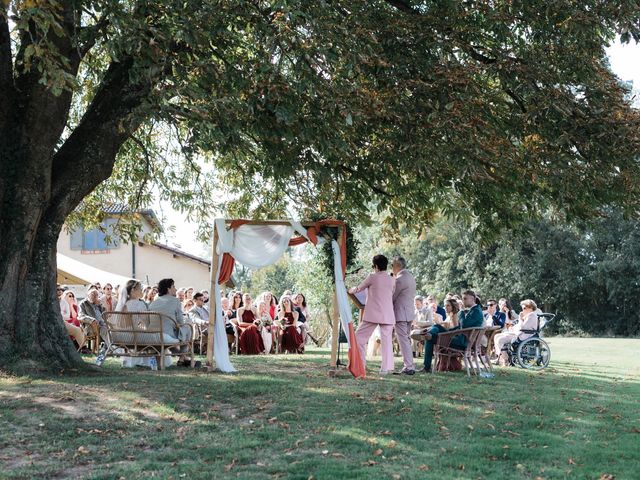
284 417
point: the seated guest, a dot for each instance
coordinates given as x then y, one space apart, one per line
74 331
528 321
422 320
145 293
452 310
108 300
495 318
432 301
151 294
130 300
270 300
198 313
265 325
90 315
510 315
291 339
250 339
180 295
188 293
235 302
228 326
187 306
205 296
471 317
300 306
73 308
168 304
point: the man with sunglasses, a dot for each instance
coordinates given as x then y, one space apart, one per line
495 317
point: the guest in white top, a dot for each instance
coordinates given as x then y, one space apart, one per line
130 300
528 321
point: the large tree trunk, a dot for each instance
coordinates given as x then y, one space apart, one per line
39 187
31 326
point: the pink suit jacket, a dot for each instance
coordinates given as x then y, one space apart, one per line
403 296
379 307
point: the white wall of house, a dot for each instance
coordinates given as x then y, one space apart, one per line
152 263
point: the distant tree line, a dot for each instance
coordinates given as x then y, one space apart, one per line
588 274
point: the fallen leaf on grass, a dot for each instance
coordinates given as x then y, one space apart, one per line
369 463
392 444
378 452
83 450
607 476
325 452
272 420
337 455
571 462
395 476
230 465
423 468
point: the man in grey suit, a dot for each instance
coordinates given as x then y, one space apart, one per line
403 307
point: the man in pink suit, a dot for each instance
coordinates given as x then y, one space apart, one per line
377 312
403 308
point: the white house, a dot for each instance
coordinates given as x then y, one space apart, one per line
87 256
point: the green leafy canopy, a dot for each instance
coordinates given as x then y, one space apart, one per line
498 110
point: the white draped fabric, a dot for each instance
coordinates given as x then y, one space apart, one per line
255 246
220 347
258 246
341 292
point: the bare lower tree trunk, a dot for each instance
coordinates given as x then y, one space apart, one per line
31 326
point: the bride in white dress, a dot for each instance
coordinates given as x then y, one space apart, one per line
130 300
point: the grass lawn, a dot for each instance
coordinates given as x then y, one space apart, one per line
283 417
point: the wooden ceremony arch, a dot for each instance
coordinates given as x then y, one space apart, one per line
335 321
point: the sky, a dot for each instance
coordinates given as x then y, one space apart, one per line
625 63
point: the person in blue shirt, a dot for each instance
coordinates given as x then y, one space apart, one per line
498 318
470 317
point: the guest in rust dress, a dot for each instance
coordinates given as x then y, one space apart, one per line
250 339
291 340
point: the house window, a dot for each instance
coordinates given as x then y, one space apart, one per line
96 239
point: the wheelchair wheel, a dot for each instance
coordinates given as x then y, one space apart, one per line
533 354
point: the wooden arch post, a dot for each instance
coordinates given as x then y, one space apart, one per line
213 298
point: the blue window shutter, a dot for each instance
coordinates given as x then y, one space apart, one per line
90 240
76 239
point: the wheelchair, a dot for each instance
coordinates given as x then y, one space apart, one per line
532 353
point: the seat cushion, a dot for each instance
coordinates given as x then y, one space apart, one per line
126 338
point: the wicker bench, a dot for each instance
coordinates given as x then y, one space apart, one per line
142 334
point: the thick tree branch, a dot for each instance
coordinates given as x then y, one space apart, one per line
516 99
403 7
44 113
87 157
